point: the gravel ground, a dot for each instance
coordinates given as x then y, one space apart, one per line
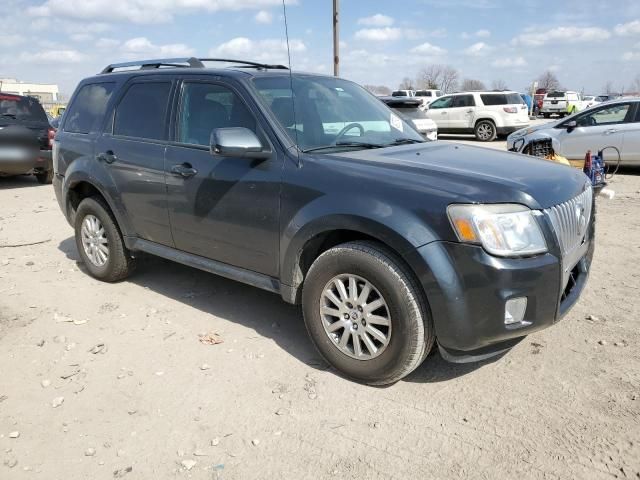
102 381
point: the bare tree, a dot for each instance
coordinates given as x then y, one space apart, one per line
635 85
499 84
472 84
406 84
378 89
441 77
608 87
548 81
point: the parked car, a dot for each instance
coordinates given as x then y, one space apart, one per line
386 240
607 97
428 96
411 110
484 114
25 138
561 103
590 100
615 123
403 93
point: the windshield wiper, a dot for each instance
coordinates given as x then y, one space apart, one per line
405 141
345 144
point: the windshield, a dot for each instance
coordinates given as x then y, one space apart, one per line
21 108
332 114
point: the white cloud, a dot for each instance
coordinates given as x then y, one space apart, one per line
379 34
478 49
377 20
140 11
107 43
631 56
11 40
483 34
271 50
52 57
438 33
562 35
630 28
81 37
142 46
263 17
428 49
509 62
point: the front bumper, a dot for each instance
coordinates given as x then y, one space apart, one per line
38 162
467 289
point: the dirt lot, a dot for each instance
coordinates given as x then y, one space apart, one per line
102 381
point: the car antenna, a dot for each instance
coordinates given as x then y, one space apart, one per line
293 105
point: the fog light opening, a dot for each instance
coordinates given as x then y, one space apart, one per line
514 310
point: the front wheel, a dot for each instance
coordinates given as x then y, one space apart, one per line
365 314
485 131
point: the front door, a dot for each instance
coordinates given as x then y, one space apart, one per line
597 128
439 112
222 208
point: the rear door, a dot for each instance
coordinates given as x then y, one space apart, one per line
132 149
597 128
439 112
461 113
631 142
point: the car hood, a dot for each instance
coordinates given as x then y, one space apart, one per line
468 174
536 128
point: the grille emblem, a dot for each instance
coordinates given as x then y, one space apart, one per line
581 220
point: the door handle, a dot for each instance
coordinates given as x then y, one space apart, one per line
469 111
185 170
443 113
107 157
610 131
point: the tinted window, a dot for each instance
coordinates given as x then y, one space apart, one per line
21 108
142 111
423 93
205 107
555 94
501 98
445 102
88 108
463 101
604 116
400 93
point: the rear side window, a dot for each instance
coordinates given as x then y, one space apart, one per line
463 101
142 111
88 108
501 99
21 108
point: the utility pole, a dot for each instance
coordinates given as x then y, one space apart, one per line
336 39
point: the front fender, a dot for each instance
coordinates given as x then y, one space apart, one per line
397 227
84 170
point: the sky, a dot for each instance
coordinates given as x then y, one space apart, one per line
586 43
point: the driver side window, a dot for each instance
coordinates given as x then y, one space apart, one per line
442 103
609 115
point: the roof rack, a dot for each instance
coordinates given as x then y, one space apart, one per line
185 62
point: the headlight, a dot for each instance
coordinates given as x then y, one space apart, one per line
504 230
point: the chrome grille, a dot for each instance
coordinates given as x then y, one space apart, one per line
570 221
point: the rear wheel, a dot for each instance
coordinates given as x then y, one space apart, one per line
365 314
546 115
45 178
485 131
100 242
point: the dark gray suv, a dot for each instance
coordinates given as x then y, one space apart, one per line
310 187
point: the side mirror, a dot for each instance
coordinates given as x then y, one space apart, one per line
237 142
570 126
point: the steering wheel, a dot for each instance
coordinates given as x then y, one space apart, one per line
351 126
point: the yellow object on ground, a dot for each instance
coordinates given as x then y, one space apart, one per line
554 157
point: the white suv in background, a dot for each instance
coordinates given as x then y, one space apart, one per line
562 103
484 114
428 96
403 93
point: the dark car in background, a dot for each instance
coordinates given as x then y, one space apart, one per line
412 110
26 138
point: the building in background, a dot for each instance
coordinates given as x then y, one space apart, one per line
48 94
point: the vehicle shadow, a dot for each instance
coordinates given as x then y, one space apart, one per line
264 312
19 181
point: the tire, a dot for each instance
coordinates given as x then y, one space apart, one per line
410 334
546 115
45 178
485 131
118 264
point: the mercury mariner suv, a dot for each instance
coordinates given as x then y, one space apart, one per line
310 187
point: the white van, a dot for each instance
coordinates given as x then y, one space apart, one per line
563 103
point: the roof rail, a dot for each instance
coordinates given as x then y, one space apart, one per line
186 63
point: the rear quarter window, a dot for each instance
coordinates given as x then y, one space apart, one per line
501 99
87 109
